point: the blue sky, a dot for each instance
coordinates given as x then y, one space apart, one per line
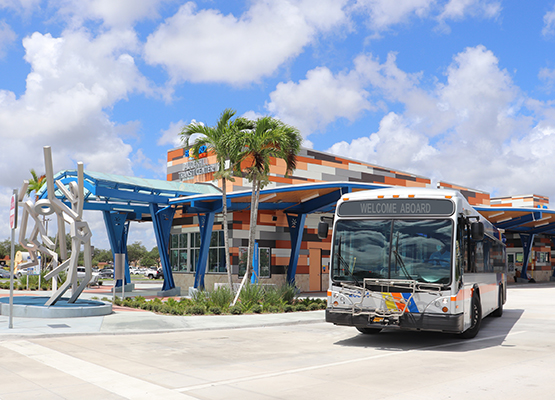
455 90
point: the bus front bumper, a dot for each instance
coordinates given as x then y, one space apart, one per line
452 323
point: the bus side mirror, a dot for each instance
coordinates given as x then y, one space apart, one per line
477 231
323 228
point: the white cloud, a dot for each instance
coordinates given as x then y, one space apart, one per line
385 13
475 128
395 144
207 46
459 9
171 136
114 14
319 99
549 23
7 37
21 6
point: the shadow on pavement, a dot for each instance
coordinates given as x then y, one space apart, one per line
493 332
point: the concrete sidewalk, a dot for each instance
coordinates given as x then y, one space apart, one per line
125 320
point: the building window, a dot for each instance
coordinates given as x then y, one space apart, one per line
263 259
179 252
542 257
216 254
185 252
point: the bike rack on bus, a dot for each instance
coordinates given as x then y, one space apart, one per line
390 315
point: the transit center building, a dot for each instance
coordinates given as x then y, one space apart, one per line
291 207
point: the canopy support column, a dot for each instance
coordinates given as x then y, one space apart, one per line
296 228
527 243
205 222
117 228
162 220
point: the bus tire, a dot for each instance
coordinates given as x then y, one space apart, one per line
476 319
368 331
499 311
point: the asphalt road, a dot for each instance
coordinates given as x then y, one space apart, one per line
513 357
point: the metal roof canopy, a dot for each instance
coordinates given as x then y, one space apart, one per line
109 192
292 199
527 222
123 199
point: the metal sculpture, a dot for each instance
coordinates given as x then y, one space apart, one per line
79 231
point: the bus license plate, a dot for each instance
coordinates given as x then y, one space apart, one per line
377 319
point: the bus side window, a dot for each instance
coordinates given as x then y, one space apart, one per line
470 256
460 251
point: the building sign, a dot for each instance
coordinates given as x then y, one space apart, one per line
396 207
202 153
197 167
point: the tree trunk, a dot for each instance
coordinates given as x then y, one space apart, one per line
252 231
226 235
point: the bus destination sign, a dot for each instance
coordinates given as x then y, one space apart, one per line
396 207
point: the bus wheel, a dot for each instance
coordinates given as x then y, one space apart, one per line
369 331
476 319
499 311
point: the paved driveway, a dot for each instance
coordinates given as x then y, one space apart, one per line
513 357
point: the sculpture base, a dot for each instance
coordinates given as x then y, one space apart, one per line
33 307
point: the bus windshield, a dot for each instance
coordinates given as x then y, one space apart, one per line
418 250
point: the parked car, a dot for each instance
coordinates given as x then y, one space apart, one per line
154 273
81 275
106 273
4 274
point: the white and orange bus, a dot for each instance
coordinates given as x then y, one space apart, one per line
413 259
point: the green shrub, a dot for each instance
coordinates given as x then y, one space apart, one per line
314 306
201 298
272 297
288 308
288 293
323 305
166 309
197 310
300 307
250 296
215 310
257 309
273 309
221 297
236 310
117 301
184 302
172 302
176 311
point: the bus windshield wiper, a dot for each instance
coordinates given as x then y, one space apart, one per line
345 264
401 264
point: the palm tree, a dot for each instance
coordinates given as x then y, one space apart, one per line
224 139
270 138
35 183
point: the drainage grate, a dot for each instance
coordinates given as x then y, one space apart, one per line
59 326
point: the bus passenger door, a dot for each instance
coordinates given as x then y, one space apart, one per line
462 275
